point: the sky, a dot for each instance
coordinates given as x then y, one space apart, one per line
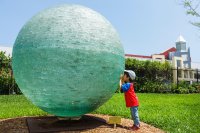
145 27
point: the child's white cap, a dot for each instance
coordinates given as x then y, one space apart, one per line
131 74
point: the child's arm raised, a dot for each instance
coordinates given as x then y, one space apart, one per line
121 82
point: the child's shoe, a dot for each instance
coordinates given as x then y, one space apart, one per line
134 127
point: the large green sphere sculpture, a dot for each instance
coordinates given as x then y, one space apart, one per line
67 60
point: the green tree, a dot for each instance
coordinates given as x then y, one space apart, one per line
151 76
7 82
192 7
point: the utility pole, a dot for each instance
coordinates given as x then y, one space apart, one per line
177 77
197 76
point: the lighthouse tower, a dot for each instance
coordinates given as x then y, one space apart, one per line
180 44
183 51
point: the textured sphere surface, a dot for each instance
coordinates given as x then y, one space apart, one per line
67 60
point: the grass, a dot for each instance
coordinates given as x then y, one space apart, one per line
170 112
17 105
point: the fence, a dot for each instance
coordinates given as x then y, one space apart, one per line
191 75
188 75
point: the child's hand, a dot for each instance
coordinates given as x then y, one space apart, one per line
121 80
121 76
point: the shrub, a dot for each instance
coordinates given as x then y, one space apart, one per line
154 87
156 77
183 90
7 82
151 76
192 89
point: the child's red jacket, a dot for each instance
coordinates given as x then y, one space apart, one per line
129 94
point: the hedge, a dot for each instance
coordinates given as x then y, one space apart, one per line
7 82
156 77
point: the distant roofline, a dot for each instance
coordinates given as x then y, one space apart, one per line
165 53
139 56
169 50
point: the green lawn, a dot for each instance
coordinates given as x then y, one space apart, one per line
170 112
17 105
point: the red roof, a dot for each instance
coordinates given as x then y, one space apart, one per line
166 53
138 56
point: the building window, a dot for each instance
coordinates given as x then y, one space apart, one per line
178 63
178 47
179 73
183 46
185 74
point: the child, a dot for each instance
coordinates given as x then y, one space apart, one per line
126 85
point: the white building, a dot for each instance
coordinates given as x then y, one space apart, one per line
179 58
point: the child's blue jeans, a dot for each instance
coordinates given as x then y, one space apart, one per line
135 115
